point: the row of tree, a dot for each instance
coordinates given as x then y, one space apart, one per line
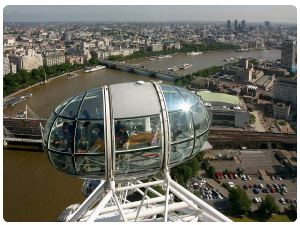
212 46
23 78
187 79
183 172
240 204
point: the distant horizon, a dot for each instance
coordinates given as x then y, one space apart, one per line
137 22
281 14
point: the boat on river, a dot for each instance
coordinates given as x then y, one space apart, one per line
92 69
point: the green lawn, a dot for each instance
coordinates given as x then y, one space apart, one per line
276 218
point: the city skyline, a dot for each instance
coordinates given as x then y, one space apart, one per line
88 13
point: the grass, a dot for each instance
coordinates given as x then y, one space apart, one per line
275 218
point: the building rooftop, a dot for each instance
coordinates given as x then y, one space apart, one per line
219 97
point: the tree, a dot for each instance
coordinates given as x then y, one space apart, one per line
252 118
268 206
239 201
211 171
205 164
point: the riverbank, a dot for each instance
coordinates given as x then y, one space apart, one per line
37 84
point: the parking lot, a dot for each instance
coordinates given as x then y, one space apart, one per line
249 160
262 167
291 188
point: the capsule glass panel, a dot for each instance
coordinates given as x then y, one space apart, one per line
180 152
62 135
71 109
48 128
92 105
181 126
89 137
199 142
147 161
63 104
138 144
90 165
63 162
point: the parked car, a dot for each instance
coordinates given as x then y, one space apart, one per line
261 186
245 187
255 190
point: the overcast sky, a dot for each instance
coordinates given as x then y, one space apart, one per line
284 14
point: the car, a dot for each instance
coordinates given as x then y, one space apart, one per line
261 186
288 200
225 176
235 176
245 187
230 175
255 190
282 201
268 185
255 200
272 190
272 177
250 186
259 199
255 186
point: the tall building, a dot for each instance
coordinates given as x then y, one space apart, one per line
28 62
288 53
67 36
6 67
235 25
228 25
243 25
267 24
285 90
53 59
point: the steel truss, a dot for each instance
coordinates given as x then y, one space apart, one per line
109 202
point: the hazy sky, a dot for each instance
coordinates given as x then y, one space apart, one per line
284 14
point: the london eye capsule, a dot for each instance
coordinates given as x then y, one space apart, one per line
127 130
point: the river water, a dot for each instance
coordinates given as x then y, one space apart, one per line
32 189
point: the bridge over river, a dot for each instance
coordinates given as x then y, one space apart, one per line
141 70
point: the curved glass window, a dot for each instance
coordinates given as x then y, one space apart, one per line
90 165
181 125
92 105
89 137
180 152
138 144
137 133
174 99
200 117
60 106
47 129
199 142
71 109
145 160
62 162
62 135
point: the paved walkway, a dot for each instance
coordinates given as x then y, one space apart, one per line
258 122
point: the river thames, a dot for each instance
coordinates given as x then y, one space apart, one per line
33 190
